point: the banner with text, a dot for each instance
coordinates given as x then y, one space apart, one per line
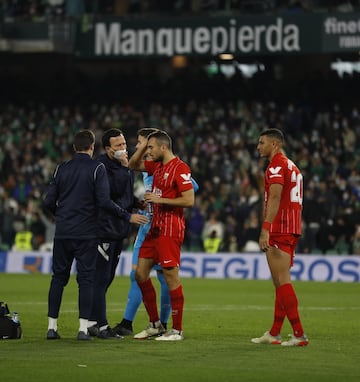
211 36
218 266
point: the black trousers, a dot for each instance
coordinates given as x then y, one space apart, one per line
64 253
107 261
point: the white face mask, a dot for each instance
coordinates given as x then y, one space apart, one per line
119 153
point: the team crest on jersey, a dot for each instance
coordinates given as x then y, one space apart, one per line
166 175
274 172
186 177
105 246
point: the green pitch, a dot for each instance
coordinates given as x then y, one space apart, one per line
220 318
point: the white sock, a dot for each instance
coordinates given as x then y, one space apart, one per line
83 325
52 323
91 323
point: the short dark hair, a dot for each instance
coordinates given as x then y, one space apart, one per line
83 140
105 140
274 133
146 131
162 138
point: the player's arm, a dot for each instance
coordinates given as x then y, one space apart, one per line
186 199
273 203
136 162
272 208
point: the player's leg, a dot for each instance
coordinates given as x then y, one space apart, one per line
147 288
85 255
286 302
279 264
125 327
103 271
165 301
145 265
169 256
62 260
134 298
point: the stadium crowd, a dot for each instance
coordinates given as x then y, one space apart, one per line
40 10
217 138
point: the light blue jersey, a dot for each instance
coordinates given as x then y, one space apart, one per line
143 229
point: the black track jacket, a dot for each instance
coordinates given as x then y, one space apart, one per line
78 190
121 181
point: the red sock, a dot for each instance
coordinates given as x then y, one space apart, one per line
279 315
149 299
290 302
177 305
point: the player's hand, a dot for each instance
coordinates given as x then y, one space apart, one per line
150 197
264 240
139 219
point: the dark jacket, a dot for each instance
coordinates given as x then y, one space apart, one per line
78 189
121 180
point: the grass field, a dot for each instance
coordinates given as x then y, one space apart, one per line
220 317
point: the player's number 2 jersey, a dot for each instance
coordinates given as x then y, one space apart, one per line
282 170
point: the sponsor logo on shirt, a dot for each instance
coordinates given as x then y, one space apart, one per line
274 172
186 177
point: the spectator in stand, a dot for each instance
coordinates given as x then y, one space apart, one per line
226 127
194 227
314 216
251 232
49 224
7 219
37 229
24 238
213 233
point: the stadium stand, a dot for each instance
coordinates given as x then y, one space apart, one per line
215 130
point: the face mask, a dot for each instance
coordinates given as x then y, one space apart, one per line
119 153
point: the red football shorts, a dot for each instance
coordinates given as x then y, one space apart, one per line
286 242
163 250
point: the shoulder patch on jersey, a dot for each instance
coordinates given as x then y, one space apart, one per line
275 172
186 177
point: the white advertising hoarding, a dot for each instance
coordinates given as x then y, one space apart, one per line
221 265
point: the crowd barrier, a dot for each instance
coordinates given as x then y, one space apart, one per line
219 266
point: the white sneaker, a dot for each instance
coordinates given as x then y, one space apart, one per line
171 335
153 329
268 339
296 341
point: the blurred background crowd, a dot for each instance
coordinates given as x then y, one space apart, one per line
218 140
214 121
38 10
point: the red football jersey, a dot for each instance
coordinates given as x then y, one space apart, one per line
283 171
169 181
